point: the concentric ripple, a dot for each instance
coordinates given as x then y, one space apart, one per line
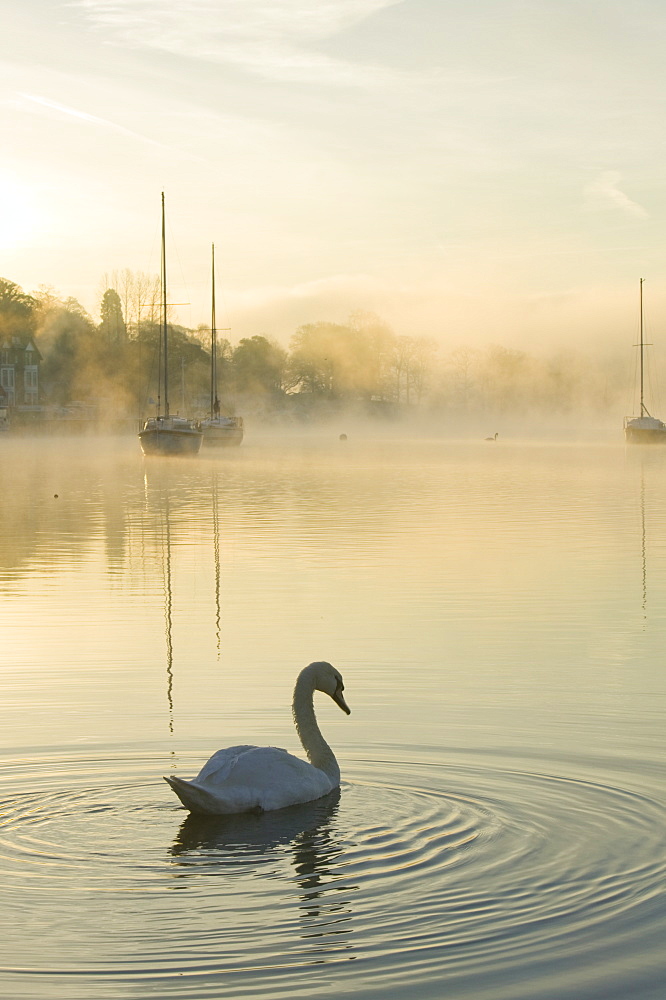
457 880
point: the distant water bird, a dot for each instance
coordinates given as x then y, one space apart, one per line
492 438
343 437
253 779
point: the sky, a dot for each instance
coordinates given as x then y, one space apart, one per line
487 172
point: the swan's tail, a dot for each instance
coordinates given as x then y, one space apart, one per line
193 797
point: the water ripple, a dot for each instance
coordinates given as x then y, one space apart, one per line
459 874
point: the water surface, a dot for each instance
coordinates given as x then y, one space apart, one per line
498 613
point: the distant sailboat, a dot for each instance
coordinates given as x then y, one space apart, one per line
165 434
218 430
643 429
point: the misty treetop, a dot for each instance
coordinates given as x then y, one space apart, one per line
113 364
16 308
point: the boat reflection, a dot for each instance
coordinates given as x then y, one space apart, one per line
645 464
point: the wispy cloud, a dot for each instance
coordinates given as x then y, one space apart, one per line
605 192
268 39
62 109
83 116
248 19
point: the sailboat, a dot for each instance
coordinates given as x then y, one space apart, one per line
167 434
218 429
643 429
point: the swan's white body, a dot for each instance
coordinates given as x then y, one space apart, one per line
248 778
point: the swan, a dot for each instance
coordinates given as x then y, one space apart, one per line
257 779
492 438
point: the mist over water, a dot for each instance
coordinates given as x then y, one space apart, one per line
497 610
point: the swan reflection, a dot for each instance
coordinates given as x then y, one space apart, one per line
251 833
297 846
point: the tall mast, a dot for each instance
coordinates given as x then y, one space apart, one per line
213 343
643 410
164 316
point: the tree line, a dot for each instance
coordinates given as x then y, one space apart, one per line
113 363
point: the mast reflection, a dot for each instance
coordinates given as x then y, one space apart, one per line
216 557
168 606
643 542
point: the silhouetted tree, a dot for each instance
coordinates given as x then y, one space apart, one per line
138 293
17 310
258 366
112 325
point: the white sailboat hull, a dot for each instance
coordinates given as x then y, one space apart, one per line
645 430
170 436
222 432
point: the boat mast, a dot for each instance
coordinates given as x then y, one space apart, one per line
213 344
164 316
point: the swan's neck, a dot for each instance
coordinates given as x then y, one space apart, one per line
317 749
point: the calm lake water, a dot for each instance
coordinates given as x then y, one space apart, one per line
499 614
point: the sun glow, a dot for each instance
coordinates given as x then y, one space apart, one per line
18 213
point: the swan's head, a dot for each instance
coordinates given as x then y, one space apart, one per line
329 680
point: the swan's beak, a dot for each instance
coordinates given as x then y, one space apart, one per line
339 699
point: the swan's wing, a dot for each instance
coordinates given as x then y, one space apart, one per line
223 762
277 778
244 778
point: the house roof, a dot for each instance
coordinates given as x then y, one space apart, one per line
20 342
